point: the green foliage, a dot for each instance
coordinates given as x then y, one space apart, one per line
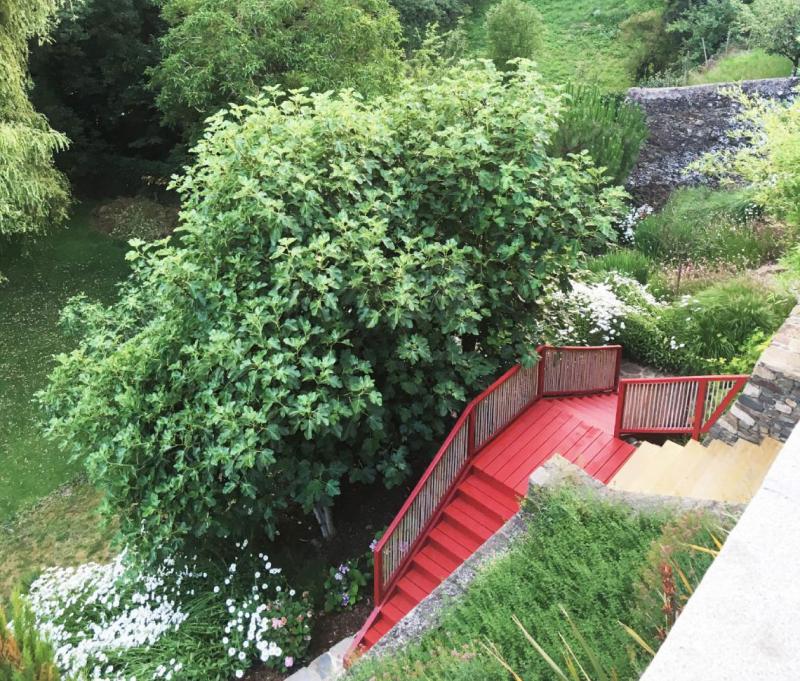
347 274
611 129
513 31
769 161
345 585
674 569
90 83
720 329
738 65
705 28
24 654
651 48
582 554
417 15
774 25
718 321
221 51
700 225
627 261
33 194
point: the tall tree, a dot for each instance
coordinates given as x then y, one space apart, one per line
33 194
775 26
90 82
218 52
349 273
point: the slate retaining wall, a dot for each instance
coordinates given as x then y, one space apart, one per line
770 403
685 123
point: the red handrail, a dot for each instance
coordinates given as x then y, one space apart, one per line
480 422
674 405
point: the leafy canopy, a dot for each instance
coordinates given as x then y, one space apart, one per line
221 51
348 274
775 26
89 80
33 194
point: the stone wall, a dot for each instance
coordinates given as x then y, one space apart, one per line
770 402
685 123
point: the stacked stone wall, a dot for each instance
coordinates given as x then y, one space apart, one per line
770 403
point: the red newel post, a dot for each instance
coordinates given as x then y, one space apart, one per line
620 408
540 369
617 367
699 409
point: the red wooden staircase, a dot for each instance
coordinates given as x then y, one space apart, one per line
570 403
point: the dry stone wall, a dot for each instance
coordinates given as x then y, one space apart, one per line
770 403
685 123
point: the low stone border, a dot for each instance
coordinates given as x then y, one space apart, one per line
326 667
554 473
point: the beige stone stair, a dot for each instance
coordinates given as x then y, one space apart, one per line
720 472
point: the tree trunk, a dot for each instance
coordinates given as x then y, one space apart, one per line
324 517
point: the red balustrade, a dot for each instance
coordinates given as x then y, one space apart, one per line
671 406
560 371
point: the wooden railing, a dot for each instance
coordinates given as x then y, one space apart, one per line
560 371
669 406
576 370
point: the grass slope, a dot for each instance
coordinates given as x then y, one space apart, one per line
60 529
583 554
70 261
581 42
742 65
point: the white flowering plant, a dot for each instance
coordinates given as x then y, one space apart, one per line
595 310
182 619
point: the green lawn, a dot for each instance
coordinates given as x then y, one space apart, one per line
743 65
69 261
582 39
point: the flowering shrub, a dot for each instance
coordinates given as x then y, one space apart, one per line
344 585
594 311
718 330
176 621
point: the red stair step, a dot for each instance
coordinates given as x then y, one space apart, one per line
450 538
477 509
505 506
469 521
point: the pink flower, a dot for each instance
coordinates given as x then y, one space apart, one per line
289 661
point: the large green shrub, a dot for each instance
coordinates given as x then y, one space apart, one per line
417 15
221 51
513 30
348 274
611 129
718 321
706 27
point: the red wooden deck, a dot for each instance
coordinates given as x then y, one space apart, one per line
487 495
